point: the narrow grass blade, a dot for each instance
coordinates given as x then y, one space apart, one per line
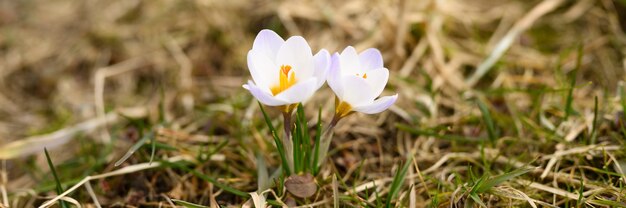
56 177
398 181
477 199
297 137
570 94
279 144
153 148
622 92
623 98
379 202
205 154
607 202
484 186
187 204
594 125
318 135
161 105
491 129
580 200
486 162
305 139
134 148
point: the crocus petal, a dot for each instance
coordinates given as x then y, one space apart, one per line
297 53
322 64
268 43
263 70
350 63
371 59
334 75
377 79
299 92
264 96
378 105
356 91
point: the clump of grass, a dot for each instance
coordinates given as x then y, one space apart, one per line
398 181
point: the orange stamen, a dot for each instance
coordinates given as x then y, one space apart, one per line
285 79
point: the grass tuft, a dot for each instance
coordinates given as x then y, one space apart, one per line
398 181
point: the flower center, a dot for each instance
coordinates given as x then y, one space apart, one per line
364 75
287 78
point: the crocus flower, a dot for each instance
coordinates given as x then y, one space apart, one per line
284 72
357 80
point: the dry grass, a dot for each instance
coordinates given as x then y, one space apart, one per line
88 79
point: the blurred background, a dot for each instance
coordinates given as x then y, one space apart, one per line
69 65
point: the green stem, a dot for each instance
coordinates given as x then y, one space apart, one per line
326 138
287 140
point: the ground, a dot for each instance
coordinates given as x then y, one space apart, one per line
501 103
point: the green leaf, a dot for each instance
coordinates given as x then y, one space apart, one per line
570 94
477 199
305 139
398 181
318 135
134 148
188 204
594 126
153 148
607 202
494 181
491 129
298 141
622 93
56 177
580 200
279 144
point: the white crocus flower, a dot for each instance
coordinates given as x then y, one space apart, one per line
284 72
357 80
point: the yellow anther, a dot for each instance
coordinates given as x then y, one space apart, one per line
285 79
285 69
